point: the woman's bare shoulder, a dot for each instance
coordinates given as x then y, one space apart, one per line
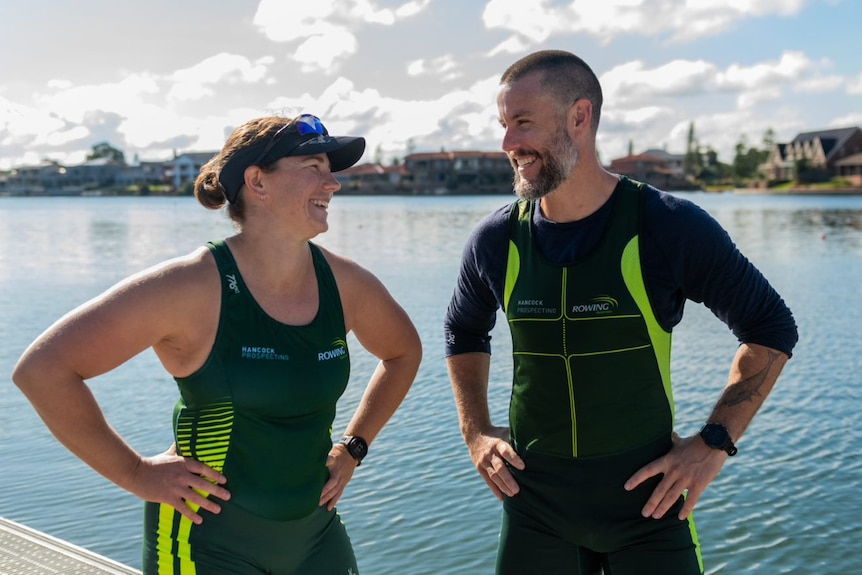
347 272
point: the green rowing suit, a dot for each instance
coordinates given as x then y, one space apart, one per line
591 363
260 411
591 404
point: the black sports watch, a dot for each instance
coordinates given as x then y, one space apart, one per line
356 447
716 436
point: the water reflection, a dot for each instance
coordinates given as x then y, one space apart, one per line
55 253
378 229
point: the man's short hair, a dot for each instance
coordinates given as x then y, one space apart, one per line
566 77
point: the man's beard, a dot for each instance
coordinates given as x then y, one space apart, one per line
557 166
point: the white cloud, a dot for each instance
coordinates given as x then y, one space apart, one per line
719 131
62 137
699 18
196 82
287 21
122 98
319 26
527 18
847 121
31 134
409 9
654 87
443 67
609 19
152 123
368 11
322 51
753 97
821 84
632 81
17 120
325 28
646 103
63 119
854 86
791 66
59 84
511 45
647 115
389 123
683 20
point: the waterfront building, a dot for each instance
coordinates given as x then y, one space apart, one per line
184 168
463 172
818 155
659 168
374 179
54 179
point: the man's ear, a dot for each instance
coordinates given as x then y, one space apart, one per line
580 117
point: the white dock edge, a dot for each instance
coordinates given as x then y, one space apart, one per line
25 551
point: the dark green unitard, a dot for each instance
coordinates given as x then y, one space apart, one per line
591 404
260 411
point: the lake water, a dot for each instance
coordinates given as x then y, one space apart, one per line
788 503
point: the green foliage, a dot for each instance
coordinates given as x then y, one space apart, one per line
747 159
106 150
186 189
693 160
808 174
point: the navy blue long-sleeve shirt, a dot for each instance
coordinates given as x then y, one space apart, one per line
685 253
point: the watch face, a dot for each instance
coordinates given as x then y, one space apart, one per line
358 447
714 436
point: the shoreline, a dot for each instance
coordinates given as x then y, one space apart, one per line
800 191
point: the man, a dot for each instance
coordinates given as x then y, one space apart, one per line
592 271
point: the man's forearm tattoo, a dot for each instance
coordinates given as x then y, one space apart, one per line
744 390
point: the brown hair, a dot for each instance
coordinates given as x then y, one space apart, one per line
208 189
566 77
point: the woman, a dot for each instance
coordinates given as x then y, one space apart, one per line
253 329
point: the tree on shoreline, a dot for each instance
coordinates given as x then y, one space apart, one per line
747 159
106 150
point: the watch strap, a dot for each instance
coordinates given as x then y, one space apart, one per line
356 447
716 436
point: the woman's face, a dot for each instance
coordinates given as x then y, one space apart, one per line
299 191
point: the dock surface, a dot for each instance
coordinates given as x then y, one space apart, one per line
25 551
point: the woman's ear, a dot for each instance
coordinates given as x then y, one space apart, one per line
253 178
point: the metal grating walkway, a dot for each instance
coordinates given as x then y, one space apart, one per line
25 551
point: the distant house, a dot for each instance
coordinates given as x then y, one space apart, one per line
459 172
144 174
655 167
96 174
4 177
829 152
373 179
778 165
850 168
55 179
186 167
41 179
675 163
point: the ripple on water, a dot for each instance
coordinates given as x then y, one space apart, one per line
788 503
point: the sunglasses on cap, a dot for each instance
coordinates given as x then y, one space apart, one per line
302 136
304 124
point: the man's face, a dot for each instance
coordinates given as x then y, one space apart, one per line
542 154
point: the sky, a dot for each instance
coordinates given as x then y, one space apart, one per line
164 77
